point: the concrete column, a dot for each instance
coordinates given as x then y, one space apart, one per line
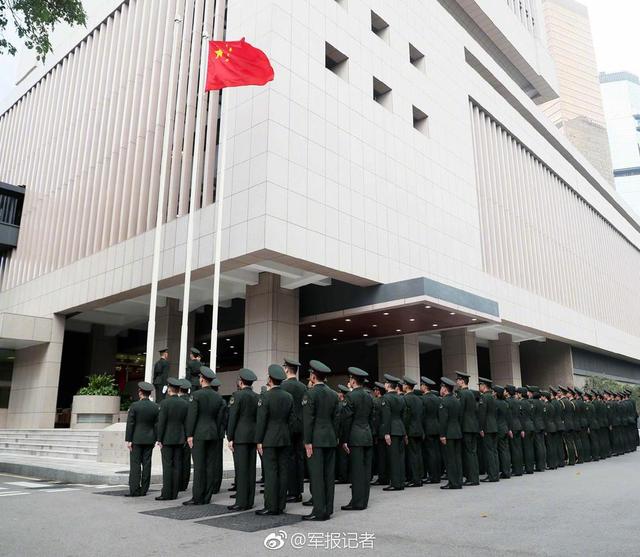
34 383
504 356
459 354
399 356
103 350
546 363
168 323
271 326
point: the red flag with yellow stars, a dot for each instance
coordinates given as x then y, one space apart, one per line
236 63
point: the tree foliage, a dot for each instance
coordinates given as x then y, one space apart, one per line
603 383
34 20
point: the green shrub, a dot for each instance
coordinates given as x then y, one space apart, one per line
602 383
100 384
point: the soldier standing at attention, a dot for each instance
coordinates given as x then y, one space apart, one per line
342 458
558 410
470 430
193 369
550 430
414 425
241 432
275 416
395 434
593 425
450 433
431 426
297 389
358 439
505 432
538 427
526 413
171 439
185 385
161 373
140 437
203 435
320 415
222 428
487 416
515 442
380 448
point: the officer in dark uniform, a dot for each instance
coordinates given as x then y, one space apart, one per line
487 416
206 411
414 426
505 432
603 434
582 422
171 439
515 441
140 437
161 373
538 410
470 429
569 417
380 448
275 416
394 433
357 421
297 389
550 430
193 369
320 416
526 417
593 425
222 428
342 458
450 433
185 386
558 411
431 447
241 433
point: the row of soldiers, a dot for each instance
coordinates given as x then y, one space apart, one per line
394 432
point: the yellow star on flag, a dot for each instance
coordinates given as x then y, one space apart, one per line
219 53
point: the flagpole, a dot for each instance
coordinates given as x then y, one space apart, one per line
164 166
197 155
218 34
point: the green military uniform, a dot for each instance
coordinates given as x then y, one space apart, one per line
603 430
141 433
569 439
222 428
593 426
320 416
206 411
487 417
380 447
342 458
357 434
582 423
451 433
241 431
515 442
160 375
295 476
414 426
193 370
550 431
431 426
185 385
558 413
393 428
526 417
504 423
275 416
538 411
470 431
171 434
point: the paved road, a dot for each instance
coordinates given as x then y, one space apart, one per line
585 510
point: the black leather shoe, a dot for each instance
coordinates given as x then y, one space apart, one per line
340 482
191 502
161 498
470 484
379 482
485 480
294 499
449 487
391 488
504 477
308 503
318 518
413 484
350 507
131 495
235 508
266 512
433 482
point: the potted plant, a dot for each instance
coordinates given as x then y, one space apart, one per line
97 405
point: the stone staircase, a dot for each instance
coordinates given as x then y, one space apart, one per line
50 443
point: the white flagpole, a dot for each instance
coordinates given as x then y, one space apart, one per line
164 167
218 33
197 155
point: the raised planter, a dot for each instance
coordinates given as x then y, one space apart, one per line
94 412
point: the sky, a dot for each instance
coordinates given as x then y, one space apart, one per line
614 24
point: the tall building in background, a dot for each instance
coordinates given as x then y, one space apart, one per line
621 97
578 109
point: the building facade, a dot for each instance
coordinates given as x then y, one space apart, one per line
621 96
394 199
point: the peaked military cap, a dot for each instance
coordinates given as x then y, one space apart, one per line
146 387
409 381
485 381
579 391
426 381
216 382
533 389
344 389
379 385
545 393
318 367
357 372
174 382
163 350
511 389
448 382
207 373
554 391
195 352
291 362
462 374
185 384
247 375
276 372
522 390
391 379
498 389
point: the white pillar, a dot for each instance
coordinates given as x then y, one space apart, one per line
399 356
459 354
504 357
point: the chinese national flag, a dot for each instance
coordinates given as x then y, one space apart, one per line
236 63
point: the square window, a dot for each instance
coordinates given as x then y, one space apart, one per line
336 61
416 58
379 26
382 93
420 121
